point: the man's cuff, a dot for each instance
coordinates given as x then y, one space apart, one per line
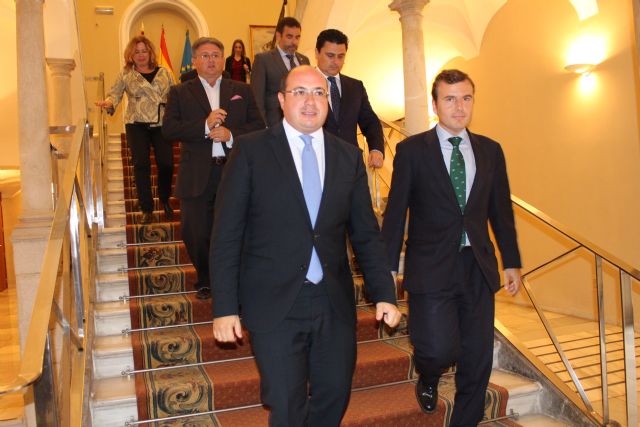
230 141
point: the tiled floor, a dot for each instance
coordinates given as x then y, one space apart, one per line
579 340
10 405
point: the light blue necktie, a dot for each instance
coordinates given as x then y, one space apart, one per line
312 190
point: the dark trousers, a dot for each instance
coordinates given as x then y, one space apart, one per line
306 363
196 221
141 137
456 325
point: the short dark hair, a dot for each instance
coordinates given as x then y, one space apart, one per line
450 77
331 35
287 21
206 40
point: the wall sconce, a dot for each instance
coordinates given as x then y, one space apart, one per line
582 69
104 10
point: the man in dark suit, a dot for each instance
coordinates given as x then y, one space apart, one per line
453 182
289 196
271 66
348 98
205 114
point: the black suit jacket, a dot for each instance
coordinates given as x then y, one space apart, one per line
184 120
355 110
268 70
421 184
262 237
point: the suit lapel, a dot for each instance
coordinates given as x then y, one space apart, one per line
281 149
275 56
196 88
481 167
225 94
436 163
330 161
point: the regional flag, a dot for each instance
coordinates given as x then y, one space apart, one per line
186 55
164 53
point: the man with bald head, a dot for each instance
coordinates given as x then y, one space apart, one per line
289 197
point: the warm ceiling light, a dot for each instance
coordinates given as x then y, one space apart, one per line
582 69
104 10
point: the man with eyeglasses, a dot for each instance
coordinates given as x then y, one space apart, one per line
270 67
205 114
289 197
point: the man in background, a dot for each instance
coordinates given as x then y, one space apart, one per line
348 98
205 114
270 67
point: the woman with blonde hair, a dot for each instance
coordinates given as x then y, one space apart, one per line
146 85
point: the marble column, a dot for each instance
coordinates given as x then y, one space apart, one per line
415 75
30 235
61 114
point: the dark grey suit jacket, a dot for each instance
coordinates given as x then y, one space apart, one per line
262 237
184 120
355 110
422 184
268 70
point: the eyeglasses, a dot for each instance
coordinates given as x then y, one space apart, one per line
208 56
301 92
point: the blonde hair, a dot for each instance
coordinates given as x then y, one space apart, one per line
131 47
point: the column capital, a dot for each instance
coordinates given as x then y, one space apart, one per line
61 66
408 7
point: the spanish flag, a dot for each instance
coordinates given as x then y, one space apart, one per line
164 53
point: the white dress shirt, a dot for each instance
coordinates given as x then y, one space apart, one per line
467 154
284 54
296 144
213 95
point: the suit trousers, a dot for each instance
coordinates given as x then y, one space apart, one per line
456 326
141 137
196 222
306 363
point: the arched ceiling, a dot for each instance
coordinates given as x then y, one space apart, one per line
451 28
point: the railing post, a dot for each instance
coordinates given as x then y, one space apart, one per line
44 391
76 267
629 349
88 182
603 343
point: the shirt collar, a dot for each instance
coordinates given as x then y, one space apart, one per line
444 135
337 76
205 83
294 134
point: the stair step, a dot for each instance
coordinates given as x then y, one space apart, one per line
114 402
111 237
111 318
112 286
111 356
112 260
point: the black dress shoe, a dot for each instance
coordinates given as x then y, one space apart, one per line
427 397
168 211
147 218
203 293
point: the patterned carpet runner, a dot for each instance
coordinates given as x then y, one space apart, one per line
201 375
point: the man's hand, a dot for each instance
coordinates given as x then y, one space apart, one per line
389 313
376 159
512 280
227 328
220 134
216 118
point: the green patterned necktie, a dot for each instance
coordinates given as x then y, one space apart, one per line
458 177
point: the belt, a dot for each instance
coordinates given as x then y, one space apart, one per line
220 160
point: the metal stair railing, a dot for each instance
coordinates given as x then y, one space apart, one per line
53 361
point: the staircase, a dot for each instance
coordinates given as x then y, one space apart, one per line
225 378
